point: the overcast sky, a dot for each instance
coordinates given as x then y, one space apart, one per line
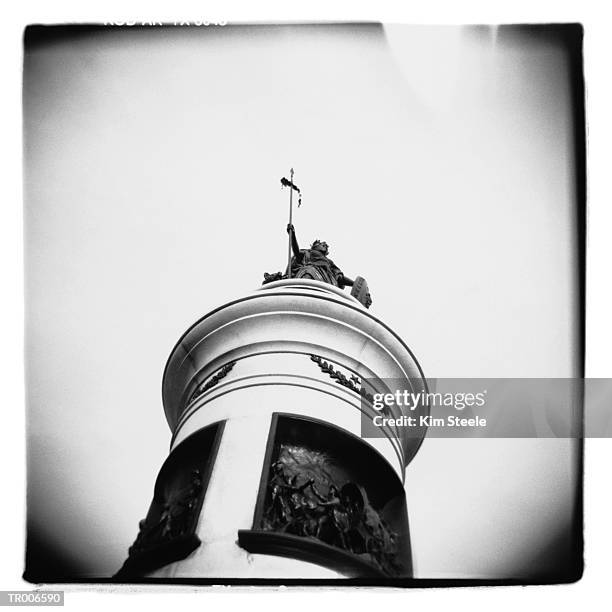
436 162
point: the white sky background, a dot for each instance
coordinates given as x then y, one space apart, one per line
435 161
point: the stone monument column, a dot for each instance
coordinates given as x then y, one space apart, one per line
268 475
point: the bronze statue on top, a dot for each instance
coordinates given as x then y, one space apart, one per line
314 263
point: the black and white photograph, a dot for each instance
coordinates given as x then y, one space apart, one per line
240 212
305 305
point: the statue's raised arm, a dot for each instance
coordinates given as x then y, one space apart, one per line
294 243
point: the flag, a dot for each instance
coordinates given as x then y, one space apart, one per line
287 183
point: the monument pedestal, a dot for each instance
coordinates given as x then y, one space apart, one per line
267 475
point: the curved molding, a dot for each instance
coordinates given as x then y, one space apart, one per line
300 382
311 285
262 349
310 550
297 316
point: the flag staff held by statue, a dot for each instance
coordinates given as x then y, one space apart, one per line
290 220
292 186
